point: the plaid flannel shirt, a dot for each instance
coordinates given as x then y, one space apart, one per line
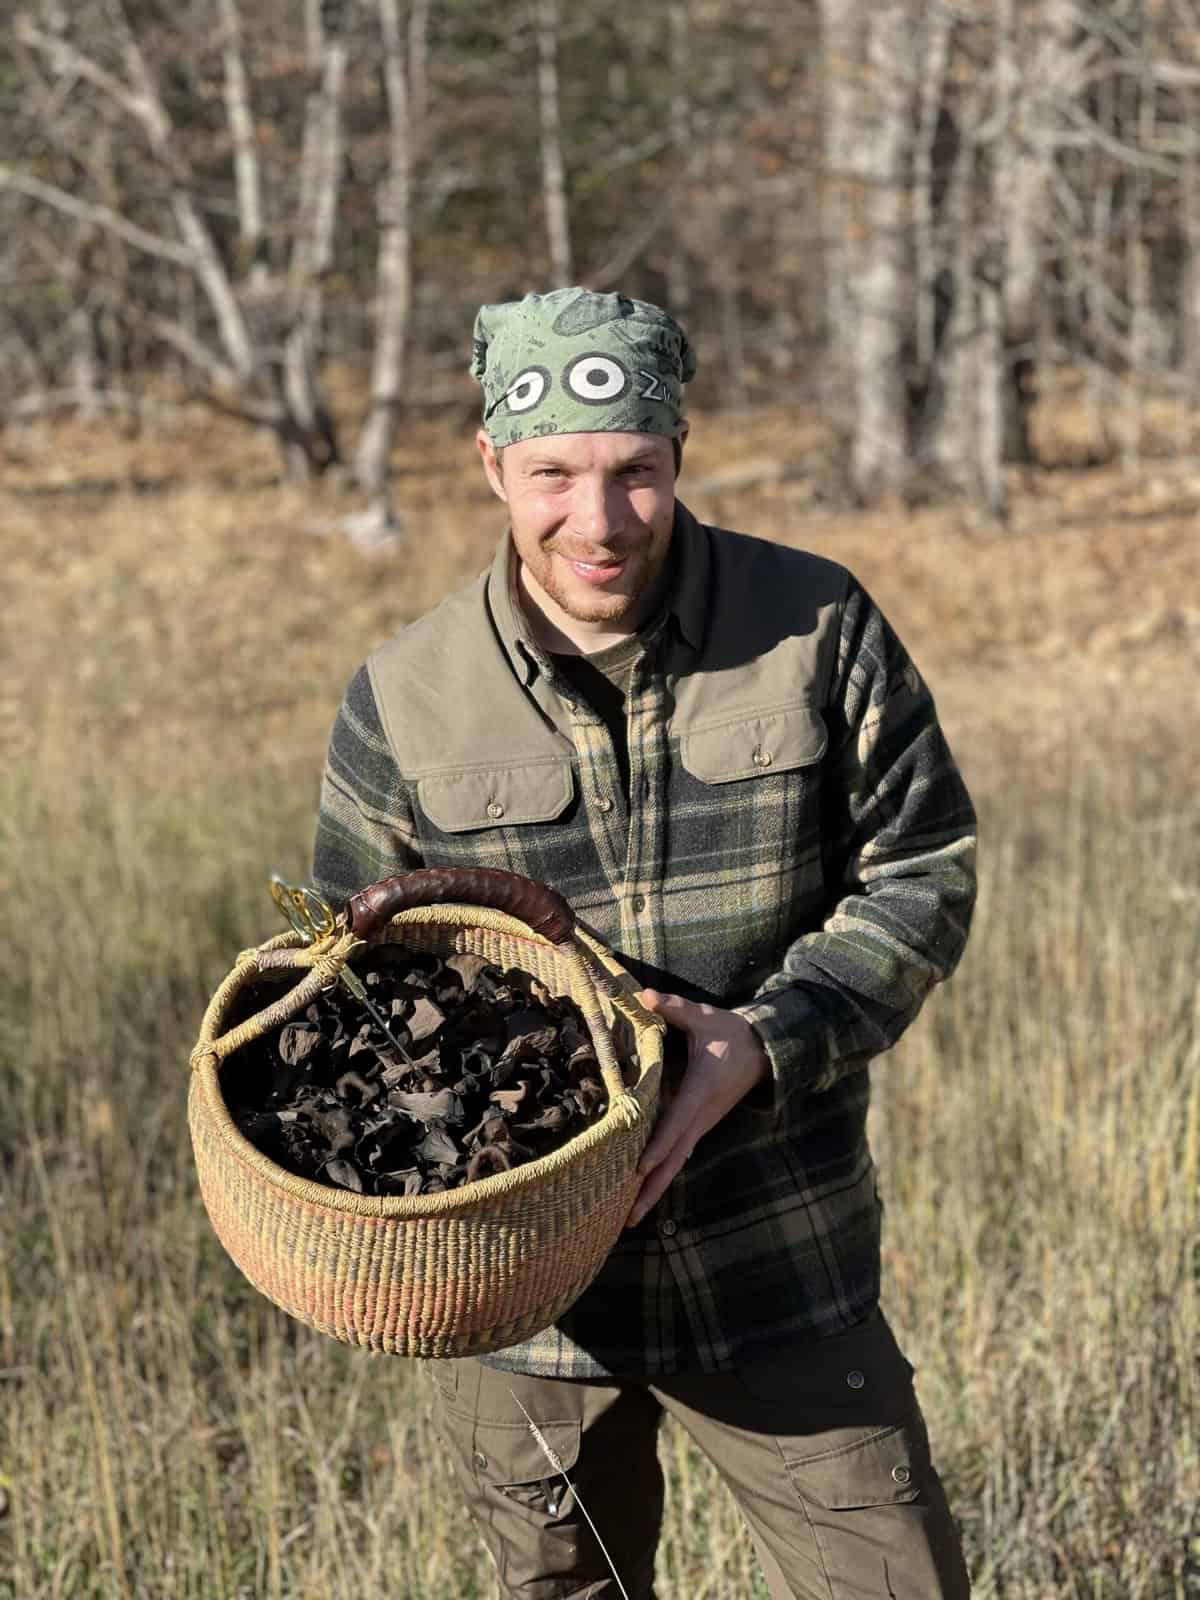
819 886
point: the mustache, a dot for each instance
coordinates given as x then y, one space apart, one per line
605 556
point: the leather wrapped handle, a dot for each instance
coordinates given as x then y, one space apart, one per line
540 908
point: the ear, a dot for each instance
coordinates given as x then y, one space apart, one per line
491 464
679 441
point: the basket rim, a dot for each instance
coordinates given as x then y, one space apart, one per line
624 1114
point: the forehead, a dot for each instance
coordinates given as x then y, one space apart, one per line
584 450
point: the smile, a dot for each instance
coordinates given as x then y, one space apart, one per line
597 572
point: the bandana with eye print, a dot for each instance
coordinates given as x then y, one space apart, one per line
576 362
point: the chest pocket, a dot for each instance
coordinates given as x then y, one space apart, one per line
755 745
496 797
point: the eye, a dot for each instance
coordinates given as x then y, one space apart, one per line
525 392
596 379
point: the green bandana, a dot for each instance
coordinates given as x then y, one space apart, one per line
577 362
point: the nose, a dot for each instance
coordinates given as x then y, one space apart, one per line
599 507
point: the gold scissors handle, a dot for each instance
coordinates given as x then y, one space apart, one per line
307 912
311 916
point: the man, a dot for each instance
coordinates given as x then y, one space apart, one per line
719 751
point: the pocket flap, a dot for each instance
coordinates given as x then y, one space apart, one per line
756 745
507 1452
880 1470
496 797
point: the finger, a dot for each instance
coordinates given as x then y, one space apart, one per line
674 1125
657 1184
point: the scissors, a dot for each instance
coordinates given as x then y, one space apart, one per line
311 916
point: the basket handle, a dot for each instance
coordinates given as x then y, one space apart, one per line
540 908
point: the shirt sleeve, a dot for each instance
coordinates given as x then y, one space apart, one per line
365 827
898 835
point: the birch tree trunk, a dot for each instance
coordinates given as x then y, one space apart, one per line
240 115
1190 342
951 428
1029 114
935 55
679 279
243 373
554 182
1141 117
844 26
405 84
84 364
147 105
882 279
988 462
308 438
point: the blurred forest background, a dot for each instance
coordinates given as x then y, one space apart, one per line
941 264
915 214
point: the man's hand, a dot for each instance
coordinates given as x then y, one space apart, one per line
725 1060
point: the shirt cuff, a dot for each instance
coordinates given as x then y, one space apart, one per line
795 1038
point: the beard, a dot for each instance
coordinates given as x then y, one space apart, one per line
583 601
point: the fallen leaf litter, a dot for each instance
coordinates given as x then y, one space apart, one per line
492 1071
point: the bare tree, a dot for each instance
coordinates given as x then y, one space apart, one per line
881 277
844 28
1030 114
679 279
259 361
405 76
554 181
246 164
908 225
313 440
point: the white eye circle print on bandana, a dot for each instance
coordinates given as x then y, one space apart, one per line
596 379
525 392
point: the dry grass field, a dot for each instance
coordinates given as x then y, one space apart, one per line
176 641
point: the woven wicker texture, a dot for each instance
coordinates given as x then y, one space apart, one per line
452 1274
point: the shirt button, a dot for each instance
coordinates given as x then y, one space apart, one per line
902 1475
604 804
480 1460
855 1379
495 809
667 1229
761 758
638 903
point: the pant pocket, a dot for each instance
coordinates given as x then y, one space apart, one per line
511 1459
881 1468
878 1516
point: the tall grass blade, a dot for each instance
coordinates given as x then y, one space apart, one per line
552 1457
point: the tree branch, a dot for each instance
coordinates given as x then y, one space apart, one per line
65 58
192 349
103 216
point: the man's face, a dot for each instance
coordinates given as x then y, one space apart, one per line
591 517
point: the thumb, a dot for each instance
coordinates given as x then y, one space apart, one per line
672 1008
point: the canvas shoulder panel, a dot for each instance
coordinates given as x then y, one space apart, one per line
448 699
771 642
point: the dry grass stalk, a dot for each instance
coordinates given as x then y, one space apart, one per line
552 1457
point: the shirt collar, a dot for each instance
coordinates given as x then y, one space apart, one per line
525 655
686 601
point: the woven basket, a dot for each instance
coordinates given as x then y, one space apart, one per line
471 1269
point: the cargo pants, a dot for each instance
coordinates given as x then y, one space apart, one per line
822 1445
